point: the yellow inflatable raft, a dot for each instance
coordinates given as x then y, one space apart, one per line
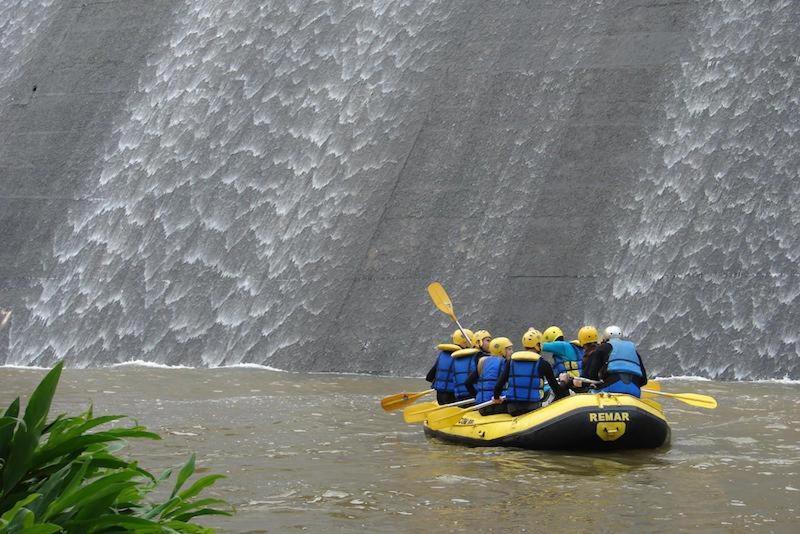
580 422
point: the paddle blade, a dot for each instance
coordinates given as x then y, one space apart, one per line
446 417
693 399
651 385
418 412
441 299
399 401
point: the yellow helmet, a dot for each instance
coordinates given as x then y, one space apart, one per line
458 338
480 335
532 339
551 334
499 345
588 334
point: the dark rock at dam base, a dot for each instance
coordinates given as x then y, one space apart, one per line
207 183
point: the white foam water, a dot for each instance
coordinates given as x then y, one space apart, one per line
706 271
232 182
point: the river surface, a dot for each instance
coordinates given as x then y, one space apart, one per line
316 453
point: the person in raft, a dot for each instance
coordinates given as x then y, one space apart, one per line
532 341
588 339
617 363
441 374
525 377
465 362
482 340
482 382
567 357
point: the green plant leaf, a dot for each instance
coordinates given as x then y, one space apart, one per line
19 505
202 512
55 423
165 506
8 432
79 443
196 505
97 489
57 484
92 423
184 474
8 421
25 440
43 528
99 523
199 485
187 528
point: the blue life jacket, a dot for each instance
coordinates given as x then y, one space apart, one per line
524 381
463 366
566 357
621 387
623 358
444 372
493 367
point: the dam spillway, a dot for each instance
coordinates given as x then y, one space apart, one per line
276 182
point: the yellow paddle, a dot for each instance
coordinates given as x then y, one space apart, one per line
401 400
693 399
655 386
445 420
421 406
442 301
419 412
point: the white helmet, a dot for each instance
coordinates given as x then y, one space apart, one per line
612 332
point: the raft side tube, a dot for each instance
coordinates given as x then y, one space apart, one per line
581 422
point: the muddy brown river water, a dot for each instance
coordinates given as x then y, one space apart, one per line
316 453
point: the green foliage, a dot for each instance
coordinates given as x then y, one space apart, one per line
60 477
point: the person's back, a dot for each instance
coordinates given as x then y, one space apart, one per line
624 368
465 362
525 385
441 374
618 364
490 369
482 382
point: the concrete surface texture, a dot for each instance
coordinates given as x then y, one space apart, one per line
207 183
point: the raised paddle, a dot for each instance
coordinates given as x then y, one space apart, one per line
693 399
442 301
401 400
419 412
449 419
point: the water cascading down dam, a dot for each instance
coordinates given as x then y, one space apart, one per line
275 182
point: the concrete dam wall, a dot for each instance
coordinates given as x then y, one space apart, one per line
215 183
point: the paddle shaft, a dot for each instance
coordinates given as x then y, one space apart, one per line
456 417
451 405
463 332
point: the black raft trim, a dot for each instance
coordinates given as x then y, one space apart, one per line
574 431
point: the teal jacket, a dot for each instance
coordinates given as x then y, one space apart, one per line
566 357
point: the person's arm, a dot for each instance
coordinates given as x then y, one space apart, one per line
598 360
644 372
431 376
501 380
546 370
471 380
553 347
